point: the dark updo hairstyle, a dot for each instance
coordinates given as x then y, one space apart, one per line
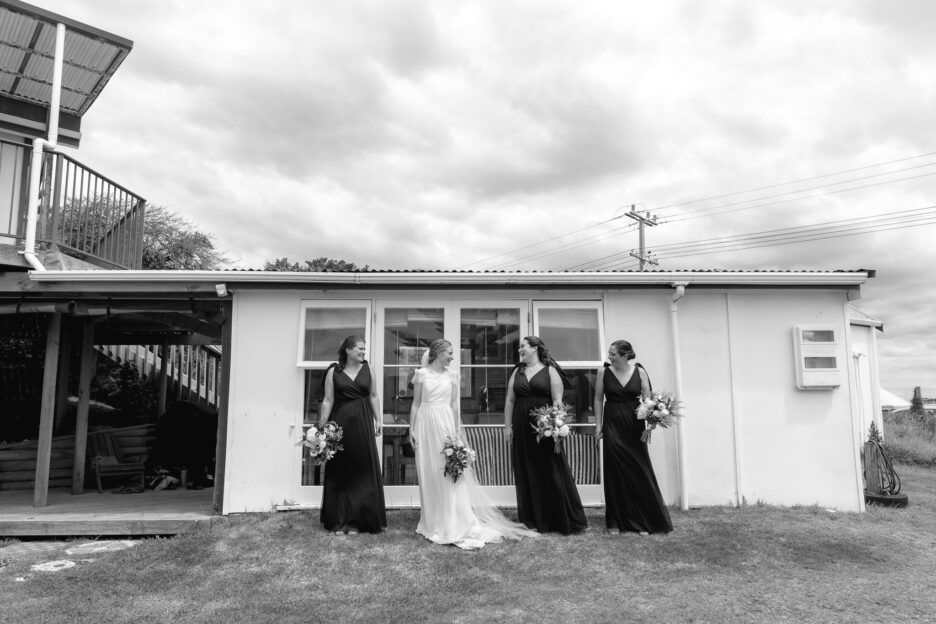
348 343
624 349
436 347
537 343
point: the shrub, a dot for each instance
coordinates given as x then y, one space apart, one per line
910 438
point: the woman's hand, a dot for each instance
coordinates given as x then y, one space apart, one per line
599 434
377 428
508 433
412 441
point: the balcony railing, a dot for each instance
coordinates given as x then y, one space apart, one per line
81 212
89 216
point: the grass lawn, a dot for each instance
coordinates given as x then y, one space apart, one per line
754 564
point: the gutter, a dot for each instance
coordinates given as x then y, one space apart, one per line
678 392
38 148
834 279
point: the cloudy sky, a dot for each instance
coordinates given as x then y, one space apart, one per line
516 134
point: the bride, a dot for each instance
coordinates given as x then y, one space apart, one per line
458 513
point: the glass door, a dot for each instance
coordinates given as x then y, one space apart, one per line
405 331
323 326
574 334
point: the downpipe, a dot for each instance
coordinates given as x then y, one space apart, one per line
678 391
38 148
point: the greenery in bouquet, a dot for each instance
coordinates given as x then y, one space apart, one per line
323 441
657 409
552 422
458 456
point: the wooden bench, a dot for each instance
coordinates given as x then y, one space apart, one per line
107 459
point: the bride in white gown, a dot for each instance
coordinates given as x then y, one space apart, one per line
458 513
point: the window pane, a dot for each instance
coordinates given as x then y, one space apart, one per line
818 335
483 389
311 474
491 336
408 331
397 394
399 457
570 334
325 328
581 395
820 362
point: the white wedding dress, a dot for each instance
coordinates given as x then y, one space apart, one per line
458 513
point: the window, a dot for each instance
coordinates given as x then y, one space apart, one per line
407 333
574 334
324 325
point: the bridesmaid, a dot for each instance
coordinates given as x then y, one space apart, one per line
632 497
352 497
546 496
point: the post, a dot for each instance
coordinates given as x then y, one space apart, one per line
84 399
645 219
163 378
47 412
64 372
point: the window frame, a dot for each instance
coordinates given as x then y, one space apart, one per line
307 304
575 304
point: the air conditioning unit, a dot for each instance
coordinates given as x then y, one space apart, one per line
817 359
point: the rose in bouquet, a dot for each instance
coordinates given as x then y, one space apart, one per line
550 421
657 409
458 456
323 441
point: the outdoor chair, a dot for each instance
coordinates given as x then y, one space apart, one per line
107 460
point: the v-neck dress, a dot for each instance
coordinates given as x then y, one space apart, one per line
547 499
632 497
352 496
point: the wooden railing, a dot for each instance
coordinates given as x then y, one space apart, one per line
193 372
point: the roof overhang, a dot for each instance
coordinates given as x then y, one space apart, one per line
27 51
198 280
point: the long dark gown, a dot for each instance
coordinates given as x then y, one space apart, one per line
546 496
632 496
352 496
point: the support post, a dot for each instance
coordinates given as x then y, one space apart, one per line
163 379
64 372
88 357
47 412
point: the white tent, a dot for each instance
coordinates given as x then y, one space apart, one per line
890 401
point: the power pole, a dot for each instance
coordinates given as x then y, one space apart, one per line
643 219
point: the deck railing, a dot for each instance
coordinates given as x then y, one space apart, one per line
88 215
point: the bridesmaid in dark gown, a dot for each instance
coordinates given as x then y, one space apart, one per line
632 497
547 499
352 496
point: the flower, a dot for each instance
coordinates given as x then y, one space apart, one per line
552 422
659 409
323 441
458 457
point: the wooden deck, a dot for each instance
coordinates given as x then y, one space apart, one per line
147 513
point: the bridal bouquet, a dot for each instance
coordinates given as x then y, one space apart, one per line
458 456
552 422
323 441
657 409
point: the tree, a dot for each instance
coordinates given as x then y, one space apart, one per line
322 264
171 242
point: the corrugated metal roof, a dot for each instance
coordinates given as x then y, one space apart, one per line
27 50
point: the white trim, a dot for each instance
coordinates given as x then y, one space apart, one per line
517 278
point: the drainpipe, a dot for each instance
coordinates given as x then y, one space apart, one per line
678 391
39 146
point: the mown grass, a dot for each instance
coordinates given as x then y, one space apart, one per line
910 438
750 564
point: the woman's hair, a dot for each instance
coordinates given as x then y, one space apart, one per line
537 343
348 343
436 347
624 349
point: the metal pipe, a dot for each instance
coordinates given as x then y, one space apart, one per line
38 148
678 391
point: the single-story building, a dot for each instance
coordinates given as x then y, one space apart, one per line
775 398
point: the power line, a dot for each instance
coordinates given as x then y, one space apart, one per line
818 177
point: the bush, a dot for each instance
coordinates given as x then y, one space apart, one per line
910 438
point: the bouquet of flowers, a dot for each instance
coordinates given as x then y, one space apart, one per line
657 409
458 456
323 441
552 422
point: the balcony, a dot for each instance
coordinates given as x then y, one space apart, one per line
82 214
